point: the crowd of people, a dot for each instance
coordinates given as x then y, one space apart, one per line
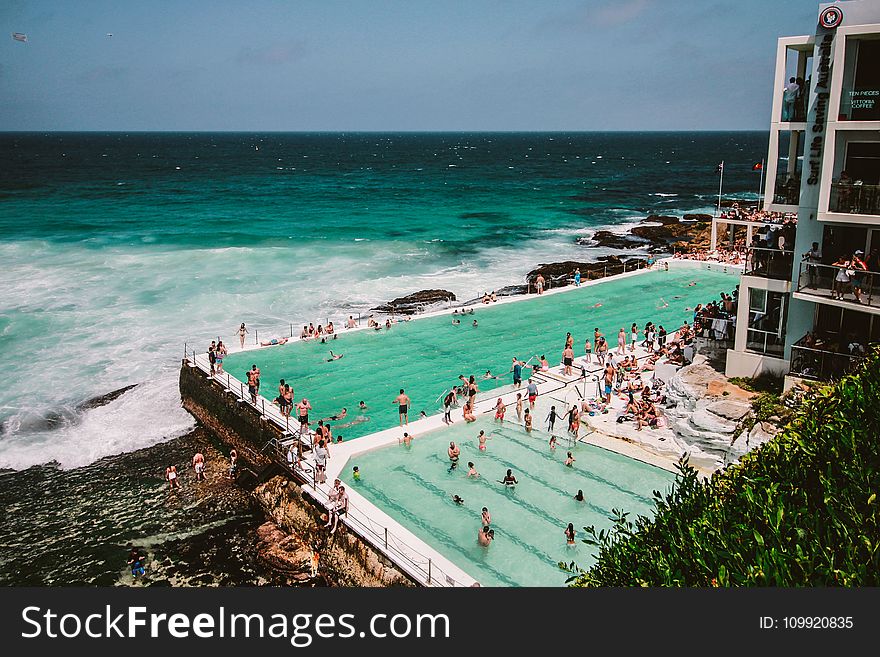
758 215
725 256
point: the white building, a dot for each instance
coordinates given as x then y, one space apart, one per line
824 164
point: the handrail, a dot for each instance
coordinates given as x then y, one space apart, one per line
817 278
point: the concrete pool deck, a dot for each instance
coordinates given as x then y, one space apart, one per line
410 553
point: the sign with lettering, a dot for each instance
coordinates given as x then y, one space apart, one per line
830 17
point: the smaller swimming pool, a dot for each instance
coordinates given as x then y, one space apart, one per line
415 486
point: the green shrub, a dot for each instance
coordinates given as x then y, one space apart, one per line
801 510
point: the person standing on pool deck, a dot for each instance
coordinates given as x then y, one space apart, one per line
402 402
621 342
220 352
609 382
252 385
242 331
532 389
577 277
303 407
567 360
212 357
588 350
634 334
539 284
447 407
517 372
551 418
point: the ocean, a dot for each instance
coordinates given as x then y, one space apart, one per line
119 248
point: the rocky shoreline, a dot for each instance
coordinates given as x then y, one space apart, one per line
656 235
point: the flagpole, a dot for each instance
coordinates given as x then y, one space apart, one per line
761 186
720 181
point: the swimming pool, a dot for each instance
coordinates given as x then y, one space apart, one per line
414 485
426 356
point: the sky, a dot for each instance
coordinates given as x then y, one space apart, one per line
388 65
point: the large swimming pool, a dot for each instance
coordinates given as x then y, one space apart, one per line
426 356
414 485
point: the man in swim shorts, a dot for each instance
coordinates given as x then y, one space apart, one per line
532 389
198 464
516 368
402 401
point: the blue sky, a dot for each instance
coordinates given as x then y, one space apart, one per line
389 65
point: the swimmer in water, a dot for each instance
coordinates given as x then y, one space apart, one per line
692 283
663 304
569 460
474 324
482 440
579 497
552 442
334 356
362 405
489 375
500 409
569 534
406 440
458 500
486 516
485 536
509 479
597 305
453 452
472 471
456 322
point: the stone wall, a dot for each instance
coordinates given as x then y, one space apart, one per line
235 423
345 559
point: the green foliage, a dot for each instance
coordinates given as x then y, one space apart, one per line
765 382
801 510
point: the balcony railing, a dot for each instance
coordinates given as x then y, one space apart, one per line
836 282
855 199
769 263
821 363
787 189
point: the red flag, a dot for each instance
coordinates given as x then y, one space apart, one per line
758 166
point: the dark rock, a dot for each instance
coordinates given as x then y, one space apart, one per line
415 302
698 217
103 400
607 239
662 219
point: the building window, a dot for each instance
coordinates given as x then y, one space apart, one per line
767 316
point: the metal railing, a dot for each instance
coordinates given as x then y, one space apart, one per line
769 263
787 189
821 364
423 569
822 280
855 199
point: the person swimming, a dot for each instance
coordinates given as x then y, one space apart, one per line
472 471
579 497
458 500
482 440
334 356
509 479
569 460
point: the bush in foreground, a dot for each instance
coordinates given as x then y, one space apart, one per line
802 510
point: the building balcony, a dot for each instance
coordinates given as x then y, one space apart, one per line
854 199
787 189
815 358
769 263
833 285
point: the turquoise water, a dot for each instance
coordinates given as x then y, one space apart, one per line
117 248
415 487
426 356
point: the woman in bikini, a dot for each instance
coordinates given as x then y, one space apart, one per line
242 331
569 534
482 440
